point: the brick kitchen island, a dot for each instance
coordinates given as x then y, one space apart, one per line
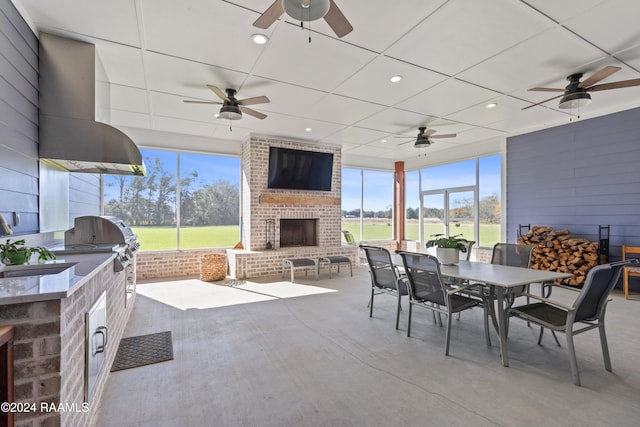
50 337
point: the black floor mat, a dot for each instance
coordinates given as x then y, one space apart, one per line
143 350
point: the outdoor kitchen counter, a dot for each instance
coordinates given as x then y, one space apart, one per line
15 290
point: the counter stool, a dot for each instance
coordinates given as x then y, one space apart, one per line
297 264
335 260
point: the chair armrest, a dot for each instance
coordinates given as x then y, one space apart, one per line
549 301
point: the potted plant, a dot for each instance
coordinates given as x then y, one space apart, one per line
448 248
15 253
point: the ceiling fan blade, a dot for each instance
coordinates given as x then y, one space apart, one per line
254 100
270 15
542 102
254 113
599 75
446 135
201 102
546 89
428 133
616 85
337 21
218 92
406 142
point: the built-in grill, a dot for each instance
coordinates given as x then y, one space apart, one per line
93 234
102 234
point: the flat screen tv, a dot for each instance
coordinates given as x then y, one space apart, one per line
299 170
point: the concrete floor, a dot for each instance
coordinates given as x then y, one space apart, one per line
307 354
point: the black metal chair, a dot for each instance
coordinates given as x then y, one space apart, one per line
385 277
588 309
427 290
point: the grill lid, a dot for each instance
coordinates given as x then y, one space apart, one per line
99 230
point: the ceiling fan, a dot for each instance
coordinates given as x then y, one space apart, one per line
424 137
306 10
575 94
233 108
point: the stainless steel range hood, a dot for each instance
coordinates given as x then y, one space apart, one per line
69 134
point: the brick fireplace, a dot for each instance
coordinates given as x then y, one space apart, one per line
312 219
298 232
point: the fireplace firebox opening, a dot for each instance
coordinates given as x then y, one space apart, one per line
298 232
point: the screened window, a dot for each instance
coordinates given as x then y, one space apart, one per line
185 201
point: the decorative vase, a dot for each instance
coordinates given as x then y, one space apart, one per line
448 255
16 257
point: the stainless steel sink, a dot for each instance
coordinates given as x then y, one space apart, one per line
27 270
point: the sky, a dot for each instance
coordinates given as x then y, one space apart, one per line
378 185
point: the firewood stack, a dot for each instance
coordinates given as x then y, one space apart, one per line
557 250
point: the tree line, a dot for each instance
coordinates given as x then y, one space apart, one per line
151 200
489 211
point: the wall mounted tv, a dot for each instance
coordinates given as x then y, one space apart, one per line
299 170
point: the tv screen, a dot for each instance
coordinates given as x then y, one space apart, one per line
299 170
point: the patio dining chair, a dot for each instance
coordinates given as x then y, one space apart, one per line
586 312
385 277
427 290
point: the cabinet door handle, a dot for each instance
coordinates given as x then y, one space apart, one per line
103 331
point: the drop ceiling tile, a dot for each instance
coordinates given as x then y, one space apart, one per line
447 97
128 98
322 64
188 78
463 33
630 56
285 98
121 118
563 10
353 135
211 32
170 124
556 51
114 20
477 134
123 64
614 30
394 121
166 105
372 82
342 110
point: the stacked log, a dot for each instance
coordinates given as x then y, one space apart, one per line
557 250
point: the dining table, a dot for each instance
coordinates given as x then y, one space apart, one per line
500 279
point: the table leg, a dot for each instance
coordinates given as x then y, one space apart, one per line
502 326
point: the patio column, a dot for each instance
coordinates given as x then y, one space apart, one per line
398 203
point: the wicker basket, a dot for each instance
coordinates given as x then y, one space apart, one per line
213 267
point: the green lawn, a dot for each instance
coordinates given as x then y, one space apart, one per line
165 238
379 230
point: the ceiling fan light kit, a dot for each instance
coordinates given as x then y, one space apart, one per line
575 100
230 112
306 10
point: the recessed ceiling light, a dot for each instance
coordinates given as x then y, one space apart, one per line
384 140
259 38
395 79
308 129
491 105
